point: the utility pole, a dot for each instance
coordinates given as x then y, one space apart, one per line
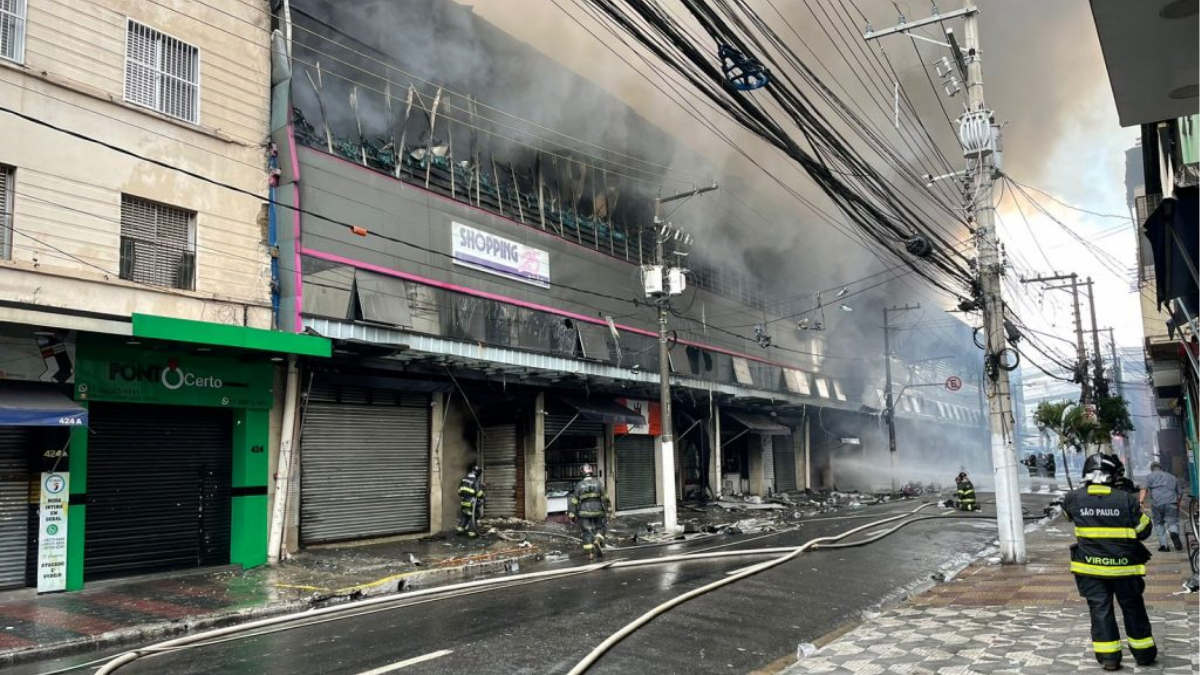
1081 369
889 403
1099 386
979 134
1116 364
661 282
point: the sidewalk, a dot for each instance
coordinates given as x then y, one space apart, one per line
1009 620
108 614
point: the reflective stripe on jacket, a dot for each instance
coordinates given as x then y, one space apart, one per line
1109 525
588 499
470 491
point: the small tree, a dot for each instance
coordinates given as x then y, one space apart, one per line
1113 413
1051 416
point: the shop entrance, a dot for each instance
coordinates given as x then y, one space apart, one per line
636 472
15 443
159 489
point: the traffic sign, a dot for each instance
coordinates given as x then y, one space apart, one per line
954 383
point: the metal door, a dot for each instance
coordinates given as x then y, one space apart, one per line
14 505
636 473
159 489
364 464
768 462
500 471
785 464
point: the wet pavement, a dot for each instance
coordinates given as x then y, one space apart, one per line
1009 620
546 627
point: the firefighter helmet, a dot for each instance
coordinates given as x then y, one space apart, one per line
588 470
1102 468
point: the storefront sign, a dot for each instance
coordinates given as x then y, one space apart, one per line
496 255
119 372
32 355
52 532
650 411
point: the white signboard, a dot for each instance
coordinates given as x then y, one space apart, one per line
496 255
52 533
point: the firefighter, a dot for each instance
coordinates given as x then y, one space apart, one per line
1108 559
588 506
470 498
965 494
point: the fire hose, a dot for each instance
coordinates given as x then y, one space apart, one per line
385 603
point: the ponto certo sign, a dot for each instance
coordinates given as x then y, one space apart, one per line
172 376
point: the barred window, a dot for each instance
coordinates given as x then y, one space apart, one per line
158 244
12 30
6 211
161 72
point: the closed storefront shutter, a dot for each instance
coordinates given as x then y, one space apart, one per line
556 423
14 505
159 489
785 464
635 472
500 471
768 458
364 464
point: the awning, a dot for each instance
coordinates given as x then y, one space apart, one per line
605 410
1172 232
33 406
759 424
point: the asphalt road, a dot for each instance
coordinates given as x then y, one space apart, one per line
546 627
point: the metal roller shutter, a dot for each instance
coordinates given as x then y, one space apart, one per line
14 505
580 427
500 471
768 460
364 464
785 464
159 489
636 472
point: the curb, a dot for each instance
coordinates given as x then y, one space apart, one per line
491 563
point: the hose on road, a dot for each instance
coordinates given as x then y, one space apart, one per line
790 554
383 603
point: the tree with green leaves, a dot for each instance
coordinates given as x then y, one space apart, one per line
1051 417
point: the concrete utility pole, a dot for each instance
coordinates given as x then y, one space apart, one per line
978 134
1081 368
1116 364
889 402
669 282
1099 386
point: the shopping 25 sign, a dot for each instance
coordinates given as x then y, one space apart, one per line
489 253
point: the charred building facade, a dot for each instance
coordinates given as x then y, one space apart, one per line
476 262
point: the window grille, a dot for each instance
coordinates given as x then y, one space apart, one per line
157 244
12 30
6 210
161 72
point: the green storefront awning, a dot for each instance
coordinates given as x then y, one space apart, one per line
222 335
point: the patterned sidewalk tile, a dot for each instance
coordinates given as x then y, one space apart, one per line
1020 641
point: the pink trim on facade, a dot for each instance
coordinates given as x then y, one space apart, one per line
298 302
387 271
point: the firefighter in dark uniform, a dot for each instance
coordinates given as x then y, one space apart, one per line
1108 559
965 495
588 506
470 498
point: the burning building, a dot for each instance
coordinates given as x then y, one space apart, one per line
466 219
